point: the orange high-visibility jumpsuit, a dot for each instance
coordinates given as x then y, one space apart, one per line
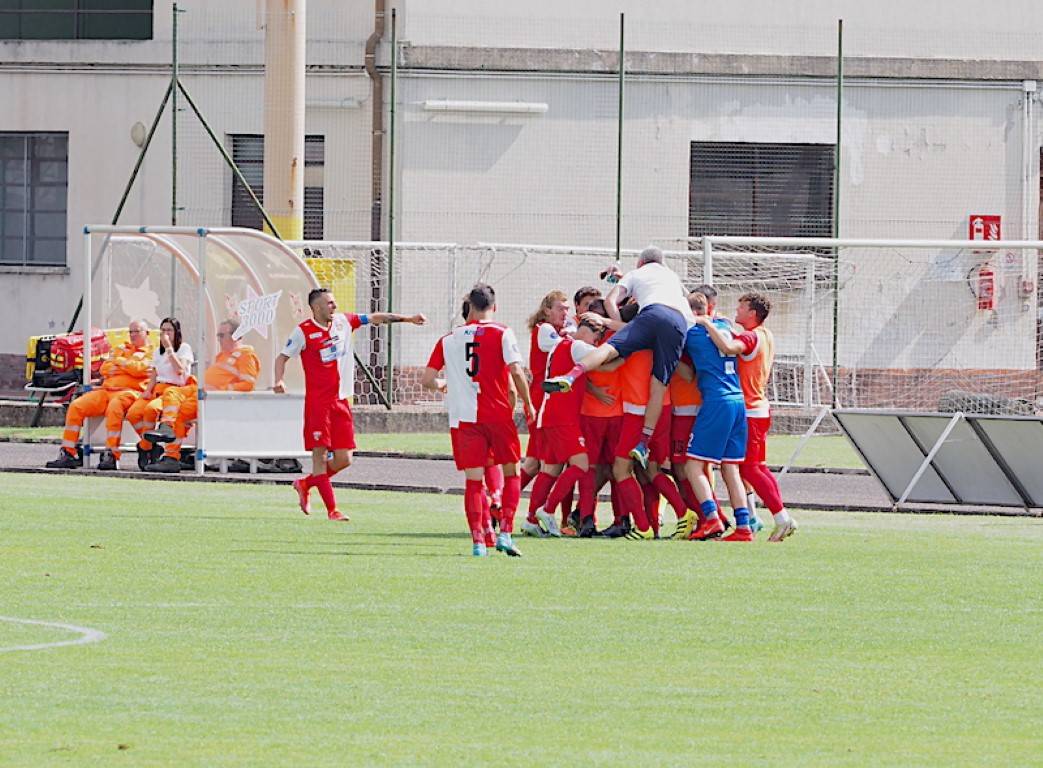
234 371
124 376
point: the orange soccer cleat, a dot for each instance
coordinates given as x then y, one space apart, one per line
739 534
302 495
337 515
708 529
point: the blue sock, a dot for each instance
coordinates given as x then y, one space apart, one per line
709 509
742 517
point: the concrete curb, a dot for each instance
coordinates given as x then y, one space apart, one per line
439 490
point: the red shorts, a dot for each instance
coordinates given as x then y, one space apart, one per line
757 439
680 434
329 425
535 448
630 435
474 443
561 443
601 433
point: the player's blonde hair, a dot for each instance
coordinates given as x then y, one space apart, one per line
543 312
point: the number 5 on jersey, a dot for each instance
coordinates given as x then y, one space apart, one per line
471 355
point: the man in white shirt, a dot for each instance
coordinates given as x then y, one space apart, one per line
661 323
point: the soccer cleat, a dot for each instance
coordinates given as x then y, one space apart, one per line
710 528
108 463
302 495
639 453
755 523
614 531
639 535
574 520
739 534
533 529
65 460
505 544
685 526
164 433
479 550
569 532
783 531
337 515
557 384
587 528
550 523
167 464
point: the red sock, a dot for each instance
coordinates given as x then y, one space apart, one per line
511 497
325 488
618 512
563 486
632 502
494 483
526 478
487 515
540 488
473 494
587 500
669 491
688 494
651 507
764 485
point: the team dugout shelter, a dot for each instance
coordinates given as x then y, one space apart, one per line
203 276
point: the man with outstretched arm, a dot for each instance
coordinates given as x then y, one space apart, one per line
660 326
325 349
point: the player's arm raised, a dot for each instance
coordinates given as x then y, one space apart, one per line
379 318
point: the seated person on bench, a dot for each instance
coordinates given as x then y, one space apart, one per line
234 370
123 378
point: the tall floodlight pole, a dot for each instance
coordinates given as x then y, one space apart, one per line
836 210
389 368
619 145
173 121
284 86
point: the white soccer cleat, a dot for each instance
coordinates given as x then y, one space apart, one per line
532 529
783 530
550 523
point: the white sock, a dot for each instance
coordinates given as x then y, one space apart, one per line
751 503
782 517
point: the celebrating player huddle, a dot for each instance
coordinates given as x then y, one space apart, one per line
647 401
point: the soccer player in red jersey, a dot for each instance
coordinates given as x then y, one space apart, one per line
754 371
480 359
558 420
325 348
545 331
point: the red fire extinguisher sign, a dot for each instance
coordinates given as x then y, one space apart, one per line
984 227
986 288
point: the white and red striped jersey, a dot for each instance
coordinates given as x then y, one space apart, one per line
326 356
476 357
562 409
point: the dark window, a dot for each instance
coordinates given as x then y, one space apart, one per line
34 180
761 190
76 19
248 154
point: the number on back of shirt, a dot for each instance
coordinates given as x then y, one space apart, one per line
471 355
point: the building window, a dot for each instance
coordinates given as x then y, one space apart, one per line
248 154
76 19
33 198
761 190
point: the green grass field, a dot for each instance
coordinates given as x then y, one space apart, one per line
241 633
822 451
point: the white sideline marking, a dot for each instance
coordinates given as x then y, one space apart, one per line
87 635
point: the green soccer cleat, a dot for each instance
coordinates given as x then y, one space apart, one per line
557 384
638 535
685 526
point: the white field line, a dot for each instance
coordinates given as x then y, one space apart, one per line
86 635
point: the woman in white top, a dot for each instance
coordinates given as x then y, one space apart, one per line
171 367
